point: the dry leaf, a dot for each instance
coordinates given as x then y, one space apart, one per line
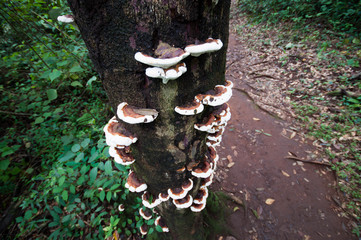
293 135
229 157
235 209
256 119
269 201
235 153
285 174
230 164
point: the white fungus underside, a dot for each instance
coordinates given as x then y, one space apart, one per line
158 62
197 50
218 100
171 74
184 205
204 175
197 110
113 153
139 189
65 19
173 196
193 209
132 120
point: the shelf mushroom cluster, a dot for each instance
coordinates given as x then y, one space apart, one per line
167 64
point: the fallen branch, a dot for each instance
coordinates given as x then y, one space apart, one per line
302 160
15 113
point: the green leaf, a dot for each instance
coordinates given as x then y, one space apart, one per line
4 164
76 68
92 79
61 180
52 94
79 157
115 186
53 224
80 180
158 228
64 195
93 174
102 195
72 189
57 209
28 215
68 155
75 148
57 190
66 218
39 120
109 196
108 167
85 142
6 151
55 74
150 230
81 223
76 83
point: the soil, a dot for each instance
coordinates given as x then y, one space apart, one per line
282 198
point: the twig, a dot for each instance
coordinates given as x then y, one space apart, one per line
15 113
302 160
266 76
259 63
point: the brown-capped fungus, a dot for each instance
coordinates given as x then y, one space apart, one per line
210 45
201 196
134 184
177 193
185 202
207 181
146 214
121 207
150 201
159 221
187 185
207 125
197 207
144 229
134 115
192 108
171 73
212 155
216 97
116 135
164 197
203 170
121 155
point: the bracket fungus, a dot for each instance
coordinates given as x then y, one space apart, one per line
146 214
116 135
216 97
167 56
144 229
185 202
121 207
201 196
121 156
197 207
207 181
66 18
177 193
150 201
134 115
187 185
210 45
164 197
134 184
167 74
203 170
159 221
192 108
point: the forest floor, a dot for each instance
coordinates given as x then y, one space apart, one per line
263 154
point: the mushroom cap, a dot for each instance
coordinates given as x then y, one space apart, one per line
133 115
121 156
210 45
146 214
185 202
116 135
144 229
160 62
187 185
197 207
217 136
207 124
201 196
216 97
229 84
164 197
159 221
180 170
134 184
121 207
192 108
203 170
212 155
167 74
207 181
66 18
147 202
211 143
177 193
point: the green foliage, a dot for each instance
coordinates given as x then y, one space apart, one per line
54 160
342 15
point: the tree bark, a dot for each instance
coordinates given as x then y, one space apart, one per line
114 30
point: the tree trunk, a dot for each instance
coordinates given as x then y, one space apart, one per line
113 32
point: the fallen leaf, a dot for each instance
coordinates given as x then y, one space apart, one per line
256 119
230 165
269 201
229 158
307 180
293 135
259 211
285 174
235 209
235 153
233 147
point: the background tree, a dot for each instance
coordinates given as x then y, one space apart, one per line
113 32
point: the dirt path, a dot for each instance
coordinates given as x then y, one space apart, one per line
284 199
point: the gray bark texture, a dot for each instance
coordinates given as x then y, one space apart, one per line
114 30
